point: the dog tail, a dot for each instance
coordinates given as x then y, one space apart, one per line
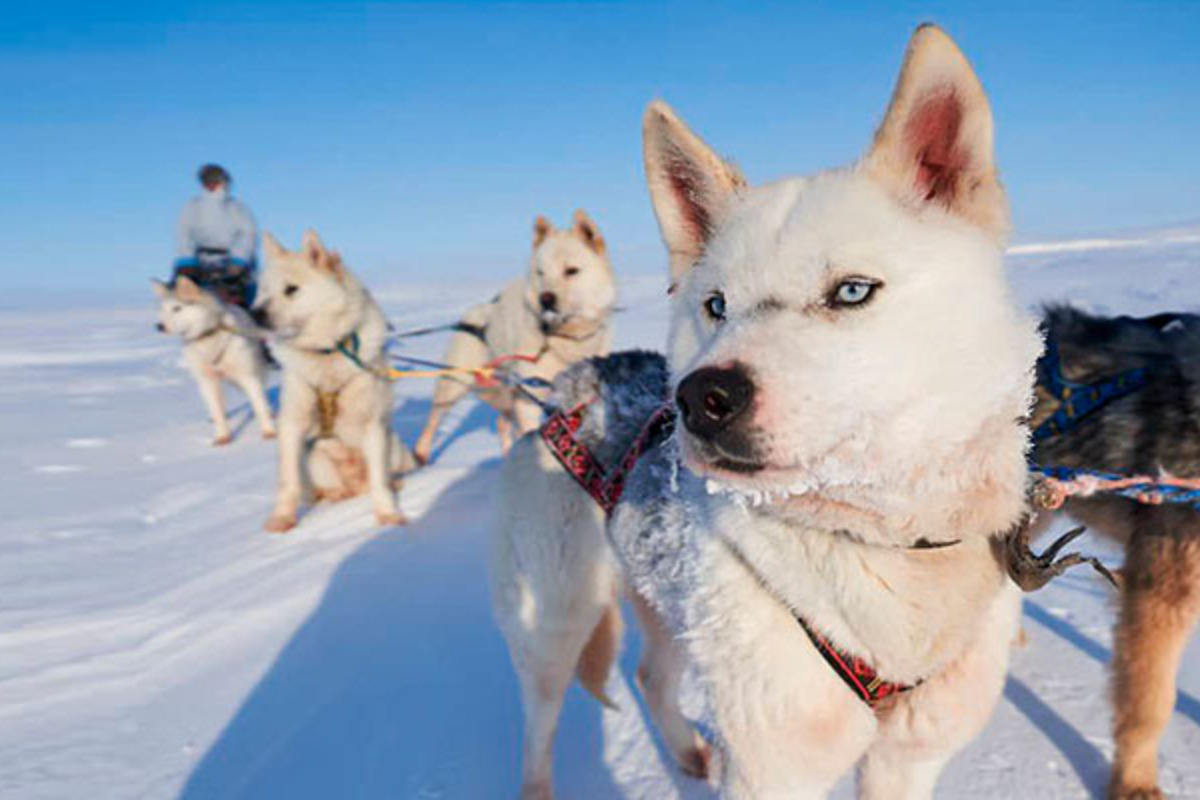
599 653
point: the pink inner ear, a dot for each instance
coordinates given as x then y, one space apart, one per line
931 135
687 185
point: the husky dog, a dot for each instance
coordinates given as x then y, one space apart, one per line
852 376
216 349
1152 429
558 314
335 412
556 586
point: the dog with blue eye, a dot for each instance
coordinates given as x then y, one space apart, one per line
803 498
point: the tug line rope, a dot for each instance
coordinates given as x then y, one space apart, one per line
1056 485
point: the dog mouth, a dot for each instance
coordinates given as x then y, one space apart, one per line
740 457
737 467
759 483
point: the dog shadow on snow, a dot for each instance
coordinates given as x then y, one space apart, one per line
398 684
1085 759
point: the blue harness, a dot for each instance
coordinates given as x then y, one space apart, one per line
1077 400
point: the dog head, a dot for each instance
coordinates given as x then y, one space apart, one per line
837 339
571 283
186 310
310 300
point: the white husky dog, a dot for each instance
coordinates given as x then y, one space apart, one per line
558 314
335 412
851 376
216 349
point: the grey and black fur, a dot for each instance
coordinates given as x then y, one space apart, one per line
1156 428
622 389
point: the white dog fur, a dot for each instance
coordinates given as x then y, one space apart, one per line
313 303
874 425
216 350
570 264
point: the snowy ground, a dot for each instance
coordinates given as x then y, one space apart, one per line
155 643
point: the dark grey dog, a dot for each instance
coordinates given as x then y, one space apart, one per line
1153 426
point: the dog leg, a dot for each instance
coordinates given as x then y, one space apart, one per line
299 403
920 730
898 774
599 653
1160 605
424 446
400 460
214 399
504 430
379 478
658 676
256 394
542 693
464 350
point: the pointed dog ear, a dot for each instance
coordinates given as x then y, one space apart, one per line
272 249
312 246
332 261
187 290
541 229
586 230
934 147
161 290
690 185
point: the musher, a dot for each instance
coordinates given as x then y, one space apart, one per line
216 240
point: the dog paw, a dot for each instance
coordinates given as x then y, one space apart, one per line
694 761
279 523
390 519
1128 793
421 457
222 440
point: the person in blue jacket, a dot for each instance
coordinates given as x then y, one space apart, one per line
216 239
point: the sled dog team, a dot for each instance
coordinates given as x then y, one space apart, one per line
802 501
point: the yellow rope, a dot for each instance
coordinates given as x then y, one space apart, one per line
393 374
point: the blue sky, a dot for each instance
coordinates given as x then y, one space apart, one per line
422 139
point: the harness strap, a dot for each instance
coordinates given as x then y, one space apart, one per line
1067 401
327 411
478 331
860 676
605 486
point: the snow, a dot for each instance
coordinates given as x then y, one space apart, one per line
155 643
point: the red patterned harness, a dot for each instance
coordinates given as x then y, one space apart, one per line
606 486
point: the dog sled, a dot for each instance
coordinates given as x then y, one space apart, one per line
214 269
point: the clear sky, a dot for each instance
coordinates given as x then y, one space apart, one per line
421 139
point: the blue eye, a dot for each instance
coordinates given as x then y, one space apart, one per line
853 292
714 306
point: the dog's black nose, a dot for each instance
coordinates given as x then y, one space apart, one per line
712 398
549 301
160 328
